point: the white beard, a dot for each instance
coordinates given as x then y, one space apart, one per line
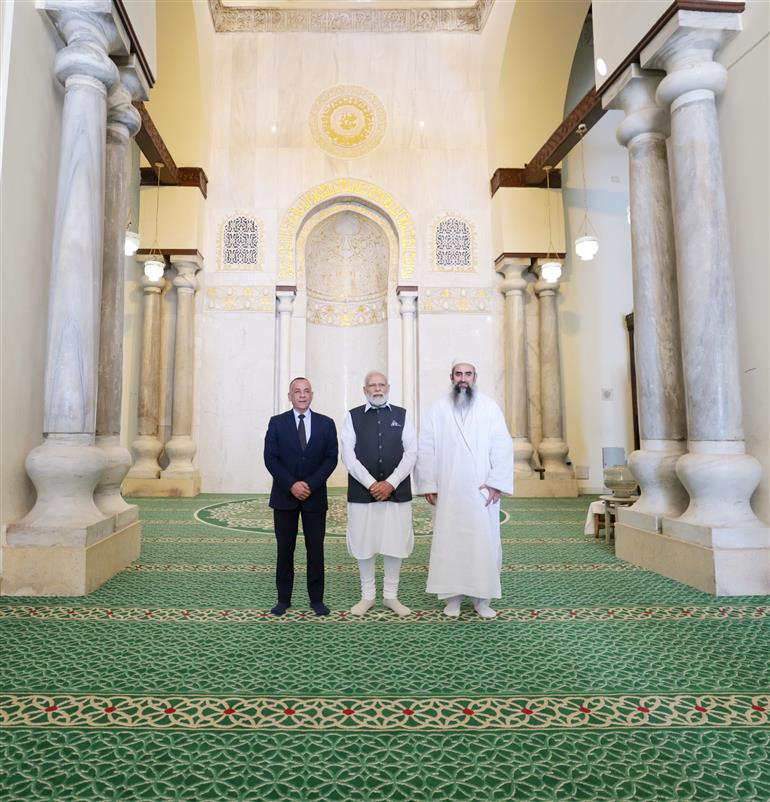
462 397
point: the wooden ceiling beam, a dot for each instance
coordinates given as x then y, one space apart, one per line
589 110
153 147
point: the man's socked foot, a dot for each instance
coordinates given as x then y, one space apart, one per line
397 607
452 607
362 607
280 608
319 608
482 608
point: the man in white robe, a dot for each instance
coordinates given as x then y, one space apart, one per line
379 449
464 465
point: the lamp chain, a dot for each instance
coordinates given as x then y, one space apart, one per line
155 248
547 168
581 132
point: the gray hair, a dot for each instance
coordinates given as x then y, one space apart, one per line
375 373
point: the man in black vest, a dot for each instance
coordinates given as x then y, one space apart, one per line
379 449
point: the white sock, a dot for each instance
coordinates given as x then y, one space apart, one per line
481 606
362 607
452 608
397 607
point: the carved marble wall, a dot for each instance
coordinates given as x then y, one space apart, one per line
413 170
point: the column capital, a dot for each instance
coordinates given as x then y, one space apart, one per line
512 268
186 264
285 301
185 280
88 31
634 93
149 286
121 114
686 48
407 298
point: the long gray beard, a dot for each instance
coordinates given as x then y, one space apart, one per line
462 396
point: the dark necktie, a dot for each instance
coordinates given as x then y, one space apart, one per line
302 434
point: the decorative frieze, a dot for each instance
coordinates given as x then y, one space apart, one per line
239 245
353 313
248 19
480 300
240 299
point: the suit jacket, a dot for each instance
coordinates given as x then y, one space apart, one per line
288 464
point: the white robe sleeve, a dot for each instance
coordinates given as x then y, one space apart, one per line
425 477
409 442
349 459
500 453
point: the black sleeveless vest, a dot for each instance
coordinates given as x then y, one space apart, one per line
379 449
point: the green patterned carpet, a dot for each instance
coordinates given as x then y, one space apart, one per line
597 682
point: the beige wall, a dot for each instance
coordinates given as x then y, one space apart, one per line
536 68
28 192
176 101
524 110
745 133
596 295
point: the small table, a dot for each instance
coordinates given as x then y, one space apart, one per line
611 504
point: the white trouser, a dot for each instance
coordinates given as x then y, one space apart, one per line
473 599
392 566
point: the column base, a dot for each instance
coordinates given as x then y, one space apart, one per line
545 488
163 488
646 521
58 570
742 570
25 534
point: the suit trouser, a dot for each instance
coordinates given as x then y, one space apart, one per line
314 528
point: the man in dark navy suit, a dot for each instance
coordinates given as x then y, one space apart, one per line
300 453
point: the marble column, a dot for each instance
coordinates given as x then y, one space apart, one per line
718 474
181 447
167 337
534 408
657 343
147 446
553 450
285 297
513 287
123 122
67 466
718 544
407 299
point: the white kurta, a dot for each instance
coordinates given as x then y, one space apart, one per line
455 458
382 527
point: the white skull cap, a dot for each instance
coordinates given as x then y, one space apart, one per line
462 361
